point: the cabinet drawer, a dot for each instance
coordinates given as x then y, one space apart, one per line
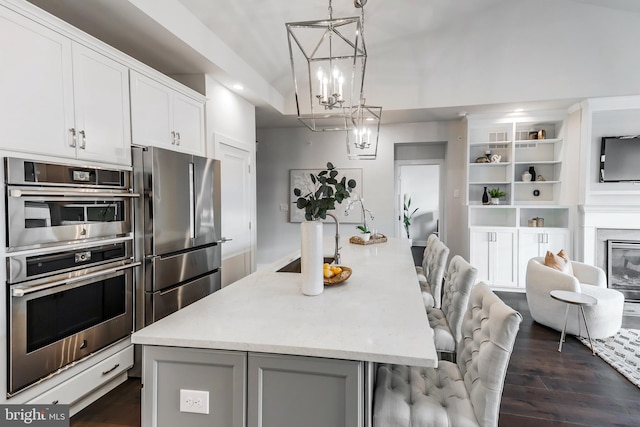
78 386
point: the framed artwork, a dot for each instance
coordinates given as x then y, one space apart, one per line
300 178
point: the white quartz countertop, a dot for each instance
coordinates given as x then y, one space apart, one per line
377 315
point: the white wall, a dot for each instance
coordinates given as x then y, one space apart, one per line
231 119
280 150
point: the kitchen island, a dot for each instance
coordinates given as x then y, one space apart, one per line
268 355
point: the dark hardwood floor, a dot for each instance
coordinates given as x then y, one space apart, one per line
542 387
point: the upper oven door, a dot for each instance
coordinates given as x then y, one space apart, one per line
43 217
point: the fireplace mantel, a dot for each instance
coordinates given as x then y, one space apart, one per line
594 217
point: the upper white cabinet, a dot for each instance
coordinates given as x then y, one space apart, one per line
102 117
60 98
164 117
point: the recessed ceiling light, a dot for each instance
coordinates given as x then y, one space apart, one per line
518 110
238 86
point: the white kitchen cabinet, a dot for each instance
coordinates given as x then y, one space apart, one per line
60 98
164 117
102 116
493 253
535 242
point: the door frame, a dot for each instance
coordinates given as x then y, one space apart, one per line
397 165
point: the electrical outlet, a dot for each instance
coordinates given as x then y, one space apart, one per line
456 193
196 401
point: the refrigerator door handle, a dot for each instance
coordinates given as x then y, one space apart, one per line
192 210
223 240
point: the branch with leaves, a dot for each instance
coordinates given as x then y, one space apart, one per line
327 191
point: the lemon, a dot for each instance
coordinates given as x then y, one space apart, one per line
336 270
327 273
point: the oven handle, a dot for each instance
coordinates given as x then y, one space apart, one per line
20 193
20 292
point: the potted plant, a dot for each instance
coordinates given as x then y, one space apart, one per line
321 195
495 194
366 233
408 214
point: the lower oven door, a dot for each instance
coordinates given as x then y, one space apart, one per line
162 303
52 325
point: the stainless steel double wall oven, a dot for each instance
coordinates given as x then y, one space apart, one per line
69 237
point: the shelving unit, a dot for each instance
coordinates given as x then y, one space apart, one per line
500 236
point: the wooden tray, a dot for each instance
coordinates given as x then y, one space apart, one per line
344 275
360 241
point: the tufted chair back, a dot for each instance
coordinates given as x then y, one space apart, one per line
489 330
434 266
455 293
427 250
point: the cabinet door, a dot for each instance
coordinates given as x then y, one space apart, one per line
294 391
503 258
188 123
169 370
529 246
151 115
36 89
479 253
101 94
556 239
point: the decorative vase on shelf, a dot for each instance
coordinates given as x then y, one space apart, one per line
532 171
311 257
495 201
526 176
485 197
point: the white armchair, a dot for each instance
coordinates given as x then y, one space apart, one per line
604 319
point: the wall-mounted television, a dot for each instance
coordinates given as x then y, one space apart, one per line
620 159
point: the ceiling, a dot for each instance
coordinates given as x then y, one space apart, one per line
249 38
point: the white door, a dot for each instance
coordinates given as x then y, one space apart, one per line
235 174
421 184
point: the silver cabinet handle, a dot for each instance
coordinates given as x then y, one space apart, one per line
223 240
108 371
83 144
173 138
73 137
177 138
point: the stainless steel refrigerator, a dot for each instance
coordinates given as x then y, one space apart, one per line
177 231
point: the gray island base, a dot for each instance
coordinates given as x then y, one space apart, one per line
260 353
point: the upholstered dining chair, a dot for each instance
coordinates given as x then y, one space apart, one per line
447 320
433 267
465 393
419 268
604 319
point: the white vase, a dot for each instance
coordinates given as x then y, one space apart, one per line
311 257
526 176
365 236
495 201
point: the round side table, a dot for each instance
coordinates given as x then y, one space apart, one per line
574 298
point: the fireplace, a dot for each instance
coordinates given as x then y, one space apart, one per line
623 268
618 254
